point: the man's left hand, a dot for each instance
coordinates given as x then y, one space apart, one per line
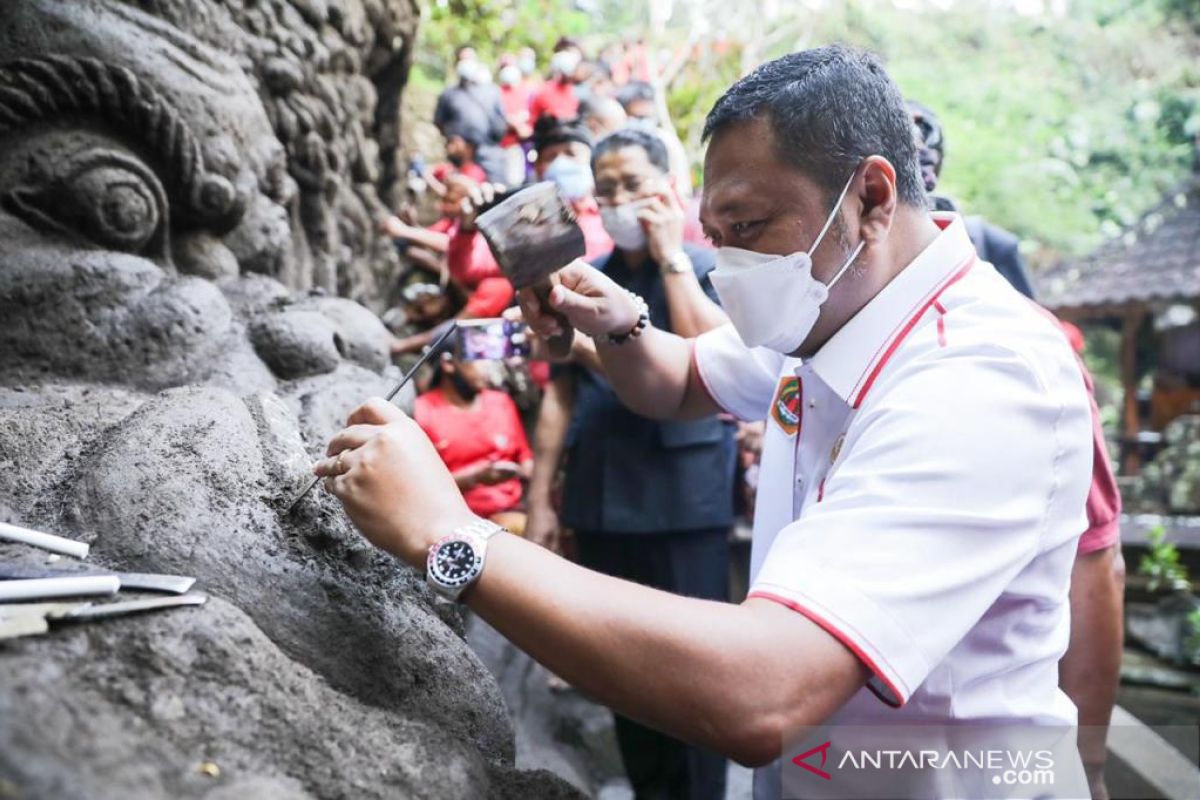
392 482
663 218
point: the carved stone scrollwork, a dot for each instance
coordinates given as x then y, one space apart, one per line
185 185
35 90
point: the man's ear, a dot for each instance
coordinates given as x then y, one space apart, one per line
879 198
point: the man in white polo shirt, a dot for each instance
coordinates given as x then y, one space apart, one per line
924 473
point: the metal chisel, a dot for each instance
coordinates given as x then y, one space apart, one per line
27 619
171 584
429 353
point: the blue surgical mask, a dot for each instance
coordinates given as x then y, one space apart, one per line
574 180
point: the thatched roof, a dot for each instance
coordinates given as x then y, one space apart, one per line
1157 260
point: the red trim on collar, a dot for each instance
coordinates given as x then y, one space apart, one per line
894 345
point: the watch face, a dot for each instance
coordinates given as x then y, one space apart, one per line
454 562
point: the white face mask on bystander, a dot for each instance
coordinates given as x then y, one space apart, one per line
774 301
622 224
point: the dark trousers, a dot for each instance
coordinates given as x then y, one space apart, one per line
692 563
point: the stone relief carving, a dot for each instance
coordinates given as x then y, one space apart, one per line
187 197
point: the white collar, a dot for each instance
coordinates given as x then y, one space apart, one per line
849 361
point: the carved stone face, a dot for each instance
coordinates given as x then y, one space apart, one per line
174 174
145 146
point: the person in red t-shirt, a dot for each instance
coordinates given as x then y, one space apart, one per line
1089 671
516 93
460 160
556 96
478 433
426 246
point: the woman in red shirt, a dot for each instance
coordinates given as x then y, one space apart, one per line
478 433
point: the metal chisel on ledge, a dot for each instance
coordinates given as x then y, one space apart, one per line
170 584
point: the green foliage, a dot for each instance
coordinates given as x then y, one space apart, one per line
1161 564
1184 10
492 27
1063 129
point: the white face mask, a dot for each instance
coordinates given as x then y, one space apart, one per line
574 179
774 301
468 71
564 62
510 75
623 225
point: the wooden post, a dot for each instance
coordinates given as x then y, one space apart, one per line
1130 423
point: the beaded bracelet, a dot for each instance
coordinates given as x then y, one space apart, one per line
643 322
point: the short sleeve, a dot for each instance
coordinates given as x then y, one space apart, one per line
738 378
489 298
470 259
443 225
1104 498
947 486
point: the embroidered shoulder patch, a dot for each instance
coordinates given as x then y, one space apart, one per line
785 408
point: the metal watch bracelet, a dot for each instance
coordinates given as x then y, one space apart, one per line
450 580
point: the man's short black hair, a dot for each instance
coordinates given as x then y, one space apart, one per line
929 127
599 67
467 134
829 108
549 130
650 142
633 91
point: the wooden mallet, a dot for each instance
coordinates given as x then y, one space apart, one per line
533 234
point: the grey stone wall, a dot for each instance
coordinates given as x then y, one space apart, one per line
176 178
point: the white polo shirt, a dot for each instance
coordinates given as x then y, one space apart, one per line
922 489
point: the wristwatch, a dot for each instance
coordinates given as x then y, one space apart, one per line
680 262
456 561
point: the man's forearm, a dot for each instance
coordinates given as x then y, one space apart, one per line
650 372
554 416
437 242
1090 671
627 646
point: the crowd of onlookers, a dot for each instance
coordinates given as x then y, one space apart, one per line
549 451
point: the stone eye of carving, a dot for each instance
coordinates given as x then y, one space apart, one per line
104 197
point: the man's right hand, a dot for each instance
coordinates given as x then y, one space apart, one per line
542 527
591 301
479 196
